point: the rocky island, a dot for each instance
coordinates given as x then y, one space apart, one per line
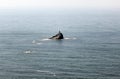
58 36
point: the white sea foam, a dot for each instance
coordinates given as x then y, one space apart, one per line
46 39
70 38
41 71
67 38
38 43
27 51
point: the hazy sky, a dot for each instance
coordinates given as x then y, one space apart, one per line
99 4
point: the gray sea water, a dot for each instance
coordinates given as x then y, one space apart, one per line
90 50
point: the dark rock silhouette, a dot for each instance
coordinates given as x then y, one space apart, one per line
57 36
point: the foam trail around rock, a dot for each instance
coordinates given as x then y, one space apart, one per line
70 38
46 39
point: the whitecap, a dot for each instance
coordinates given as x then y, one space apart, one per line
49 72
27 51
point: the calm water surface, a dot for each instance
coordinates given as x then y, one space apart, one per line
90 50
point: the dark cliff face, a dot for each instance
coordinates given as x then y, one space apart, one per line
57 36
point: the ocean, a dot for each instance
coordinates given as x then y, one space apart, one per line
90 50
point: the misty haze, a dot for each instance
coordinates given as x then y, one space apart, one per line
89 47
